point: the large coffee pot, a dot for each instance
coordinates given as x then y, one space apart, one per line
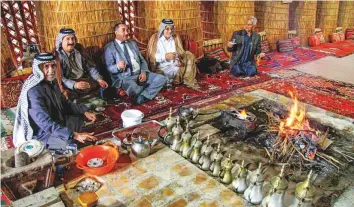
254 191
177 132
240 183
168 124
278 186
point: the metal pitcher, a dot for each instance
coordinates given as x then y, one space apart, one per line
278 186
142 148
226 175
177 133
254 192
239 183
169 123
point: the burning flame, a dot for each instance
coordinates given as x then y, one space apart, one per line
242 114
296 117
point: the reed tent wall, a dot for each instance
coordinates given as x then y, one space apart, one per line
7 61
93 21
208 20
259 10
327 16
305 20
231 16
275 20
346 14
185 14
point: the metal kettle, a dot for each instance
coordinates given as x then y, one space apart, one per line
142 148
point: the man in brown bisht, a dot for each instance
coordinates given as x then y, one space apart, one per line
166 55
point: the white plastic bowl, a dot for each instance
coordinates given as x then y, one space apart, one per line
132 117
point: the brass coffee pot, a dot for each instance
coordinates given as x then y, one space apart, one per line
195 155
186 148
304 193
226 175
177 133
215 166
254 192
278 186
206 151
168 124
239 183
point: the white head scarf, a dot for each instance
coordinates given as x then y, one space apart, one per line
164 23
62 33
22 129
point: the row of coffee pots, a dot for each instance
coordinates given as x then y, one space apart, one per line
248 183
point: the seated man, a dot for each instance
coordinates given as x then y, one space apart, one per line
128 68
165 53
77 74
244 45
44 114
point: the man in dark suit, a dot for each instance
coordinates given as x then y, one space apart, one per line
129 69
245 45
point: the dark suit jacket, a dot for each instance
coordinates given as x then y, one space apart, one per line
237 49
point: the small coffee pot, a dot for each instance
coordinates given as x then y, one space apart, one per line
168 124
142 148
206 151
177 133
278 186
195 155
254 192
215 166
304 193
226 175
239 183
186 148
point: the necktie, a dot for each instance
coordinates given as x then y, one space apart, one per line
126 54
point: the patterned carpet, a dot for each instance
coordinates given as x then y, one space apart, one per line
210 87
330 95
338 49
274 61
334 96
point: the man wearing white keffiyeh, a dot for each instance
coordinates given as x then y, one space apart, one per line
77 74
44 114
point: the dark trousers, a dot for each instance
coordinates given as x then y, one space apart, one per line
74 123
244 69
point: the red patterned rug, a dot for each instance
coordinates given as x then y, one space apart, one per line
334 96
339 49
210 87
274 61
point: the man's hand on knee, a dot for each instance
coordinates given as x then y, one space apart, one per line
90 116
82 137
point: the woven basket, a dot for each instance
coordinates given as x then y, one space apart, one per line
7 62
93 21
185 14
346 15
327 17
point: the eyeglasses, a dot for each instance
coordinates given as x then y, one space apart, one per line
170 28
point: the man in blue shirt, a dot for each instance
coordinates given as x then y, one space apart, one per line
245 45
44 114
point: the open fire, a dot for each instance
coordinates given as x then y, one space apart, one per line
295 134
